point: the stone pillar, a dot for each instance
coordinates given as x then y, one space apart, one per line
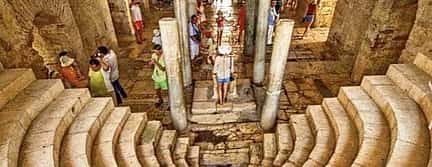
277 68
260 41
180 10
146 5
233 85
171 50
250 26
191 6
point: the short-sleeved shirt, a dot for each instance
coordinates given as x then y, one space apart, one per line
311 9
220 21
136 13
222 67
111 58
100 85
272 16
70 75
158 74
193 30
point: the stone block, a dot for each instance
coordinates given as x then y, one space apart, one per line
44 137
304 139
165 147
423 62
126 152
193 156
82 132
269 149
284 142
235 159
201 94
256 154
180 152
12 81
203 107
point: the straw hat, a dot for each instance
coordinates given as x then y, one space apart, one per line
225 49
156 32
66 61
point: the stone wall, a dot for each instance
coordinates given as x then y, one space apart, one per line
34 32
421 34
325 13
385 38
350 22
94 21
121 17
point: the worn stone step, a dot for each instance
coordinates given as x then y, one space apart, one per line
345 132
414 82
106 140
16 116
303 140
284 142
409 134
12 81
78 142
269 149
325 139
234 157
125 150
165 148
193 156
374 132
180 152
41 145
424 62
149 140
256 154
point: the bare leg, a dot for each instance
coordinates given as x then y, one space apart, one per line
220 93
240 36
215 88
138 36
159 95
225 91
307 27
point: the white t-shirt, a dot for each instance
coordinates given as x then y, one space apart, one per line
111 58
106 75
136 13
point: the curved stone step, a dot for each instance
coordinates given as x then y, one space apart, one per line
78 142
325 139
345 132
374 132
128 140
106 140
414 82
41 145
193 156
304 140
284 143
409 134
149 140
12 81
180 152
16 116
165 148
269 149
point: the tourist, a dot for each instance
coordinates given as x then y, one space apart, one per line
159 75
222 72
70 72
110 57
272 19
200 11
157 40
195 37
99 83
309 17
220 20
241 21
137 20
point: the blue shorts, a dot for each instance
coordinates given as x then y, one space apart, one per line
223 80
308 18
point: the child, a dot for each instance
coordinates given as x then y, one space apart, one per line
159 75
220 20
100 85
156 38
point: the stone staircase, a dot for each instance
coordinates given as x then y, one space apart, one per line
382 122
43 124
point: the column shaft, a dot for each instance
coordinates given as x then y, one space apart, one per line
278 61
192 7
181 13
171 50
260 41
146 5
251 6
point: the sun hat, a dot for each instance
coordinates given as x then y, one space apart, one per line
156 32
66 61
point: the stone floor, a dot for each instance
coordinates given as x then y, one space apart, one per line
312 73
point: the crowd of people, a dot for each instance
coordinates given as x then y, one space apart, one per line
103 73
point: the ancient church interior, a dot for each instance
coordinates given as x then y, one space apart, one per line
355 90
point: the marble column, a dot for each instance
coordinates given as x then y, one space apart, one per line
192 7
181 13
279 58
260 42
249 41
171 50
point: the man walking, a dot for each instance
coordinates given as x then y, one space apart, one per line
111 58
